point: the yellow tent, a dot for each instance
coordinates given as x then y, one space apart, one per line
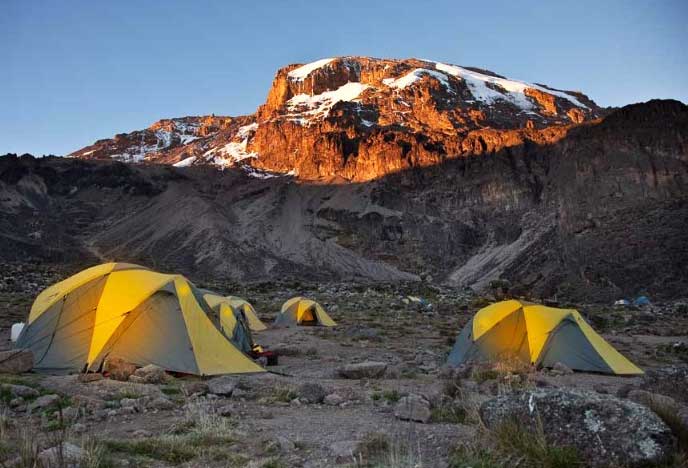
242 304
538 335
233 322
124 310
302 311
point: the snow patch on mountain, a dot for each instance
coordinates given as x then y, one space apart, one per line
234 151
319 105
300 74
487 88
414 76
186 162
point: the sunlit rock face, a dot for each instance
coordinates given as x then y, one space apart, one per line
361 118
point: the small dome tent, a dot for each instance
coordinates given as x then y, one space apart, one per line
233 322
242 304
128 311
304 312
537 335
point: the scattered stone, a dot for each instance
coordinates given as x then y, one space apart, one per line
89 377
226 411
20 390
79 428
344 449
284 349
15 402
195 388
604 429
333 399
128 403
311 393
160 403
285 444
413 408
152 374
118 368
223 385
363 370
44 402
16 361
61 455
141 434
559 368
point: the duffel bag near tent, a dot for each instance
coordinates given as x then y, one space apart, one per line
302 311
128 311
538 335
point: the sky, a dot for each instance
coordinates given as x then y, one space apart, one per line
72 72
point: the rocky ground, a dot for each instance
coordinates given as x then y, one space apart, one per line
370 392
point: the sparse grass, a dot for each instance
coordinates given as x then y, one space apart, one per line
203 433
512 445
669 415
283 393
448 412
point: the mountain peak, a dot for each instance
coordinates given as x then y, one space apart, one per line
360 118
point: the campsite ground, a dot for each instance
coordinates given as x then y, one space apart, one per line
267 421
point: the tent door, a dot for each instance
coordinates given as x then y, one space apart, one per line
308 318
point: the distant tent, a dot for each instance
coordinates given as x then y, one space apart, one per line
233 322
124 310
302 311
538 335
242 304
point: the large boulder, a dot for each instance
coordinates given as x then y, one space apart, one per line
118 369
604 429
16 361
413 408
363 370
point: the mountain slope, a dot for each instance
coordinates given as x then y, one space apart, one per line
600 212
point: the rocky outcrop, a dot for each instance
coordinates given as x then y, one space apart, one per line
604 429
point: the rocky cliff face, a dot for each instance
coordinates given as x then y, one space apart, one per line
362 118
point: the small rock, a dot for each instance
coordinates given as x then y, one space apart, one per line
89 377
344 449
363 370
136 379
79 428
285 444
141 434
20 390
128 403
16 361
223 385
413 408
44 402
15 402
559 368
160 403
226 411
311 392
195 388
333 400
59 455
152 374
118 368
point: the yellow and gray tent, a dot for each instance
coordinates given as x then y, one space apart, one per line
302 311
233 322
538 335
254 323
128 311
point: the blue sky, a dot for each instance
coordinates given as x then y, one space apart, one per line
72 72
